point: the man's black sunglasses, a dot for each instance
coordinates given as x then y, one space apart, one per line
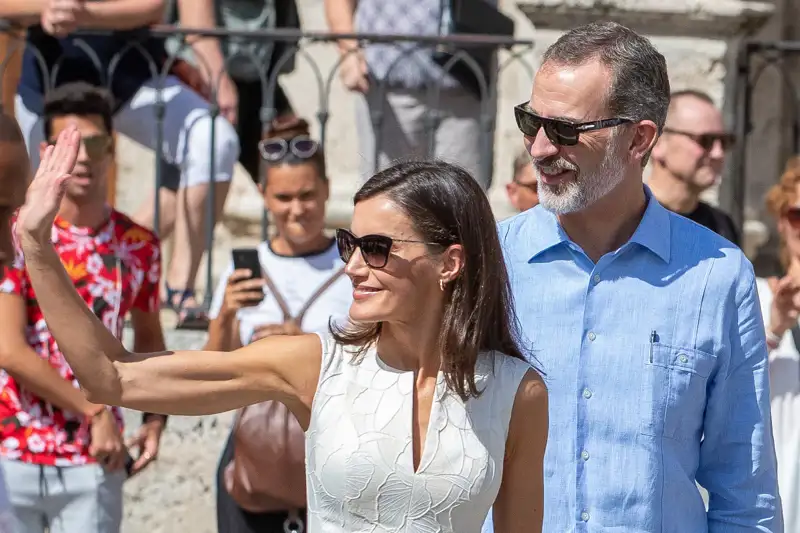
375 249
560 132
707 140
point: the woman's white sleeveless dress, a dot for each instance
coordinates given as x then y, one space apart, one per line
359 456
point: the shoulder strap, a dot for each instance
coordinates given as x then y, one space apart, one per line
287 315
322 288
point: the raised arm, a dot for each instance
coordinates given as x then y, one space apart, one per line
519 507
737 455
184 382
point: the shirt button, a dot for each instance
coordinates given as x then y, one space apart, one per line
587 393
683 359
585 455
592 336
596 278
585 516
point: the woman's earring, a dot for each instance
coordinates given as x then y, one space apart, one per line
441 284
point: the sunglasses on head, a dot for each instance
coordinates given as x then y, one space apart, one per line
96 146
375 249
275 149
707 140
560 132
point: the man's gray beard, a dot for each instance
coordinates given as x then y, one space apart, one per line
583 190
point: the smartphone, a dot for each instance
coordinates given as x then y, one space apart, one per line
247 258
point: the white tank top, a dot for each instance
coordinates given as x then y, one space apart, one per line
359 454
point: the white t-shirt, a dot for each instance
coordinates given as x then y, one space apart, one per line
784 382
297 279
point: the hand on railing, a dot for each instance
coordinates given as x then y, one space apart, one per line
228 98
354 70
60 17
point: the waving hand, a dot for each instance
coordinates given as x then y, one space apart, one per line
35 220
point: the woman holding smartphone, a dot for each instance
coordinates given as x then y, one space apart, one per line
420 413
305 277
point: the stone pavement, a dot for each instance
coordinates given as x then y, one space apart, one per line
176 494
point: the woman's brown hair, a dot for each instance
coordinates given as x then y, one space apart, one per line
782 196
447 206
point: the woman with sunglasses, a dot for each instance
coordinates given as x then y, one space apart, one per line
420 413
780 306
305 274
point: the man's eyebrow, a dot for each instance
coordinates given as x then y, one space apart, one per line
562 118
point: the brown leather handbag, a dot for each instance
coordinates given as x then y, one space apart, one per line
267 473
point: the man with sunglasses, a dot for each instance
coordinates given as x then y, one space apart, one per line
646 325
688 160
66 455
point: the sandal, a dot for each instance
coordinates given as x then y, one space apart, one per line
190 317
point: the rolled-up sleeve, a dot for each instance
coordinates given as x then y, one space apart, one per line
737 456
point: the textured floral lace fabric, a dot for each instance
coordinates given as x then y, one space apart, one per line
359 454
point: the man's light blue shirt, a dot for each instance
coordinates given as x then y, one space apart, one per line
656 365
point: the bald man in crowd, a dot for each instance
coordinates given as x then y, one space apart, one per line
14 174
523 189
688 159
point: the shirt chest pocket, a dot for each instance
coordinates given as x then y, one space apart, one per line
674 385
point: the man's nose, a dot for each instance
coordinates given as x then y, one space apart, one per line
541 147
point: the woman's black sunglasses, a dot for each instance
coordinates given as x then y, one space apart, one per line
560 132
375 249
274 150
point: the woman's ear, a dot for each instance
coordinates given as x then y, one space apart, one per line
452 263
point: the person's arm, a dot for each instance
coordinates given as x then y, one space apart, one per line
519 507
120 14
24 12
29 369
340 15
199 15
285 369
737 455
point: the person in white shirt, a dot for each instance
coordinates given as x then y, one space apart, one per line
308 285
780 305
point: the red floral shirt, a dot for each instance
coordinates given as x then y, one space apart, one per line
115 268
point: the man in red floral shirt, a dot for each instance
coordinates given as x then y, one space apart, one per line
65 455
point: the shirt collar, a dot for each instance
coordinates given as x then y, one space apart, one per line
653 232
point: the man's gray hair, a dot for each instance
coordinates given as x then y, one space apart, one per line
640 86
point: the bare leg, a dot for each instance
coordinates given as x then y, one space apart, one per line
190 233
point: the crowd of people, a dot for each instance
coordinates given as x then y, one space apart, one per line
583 365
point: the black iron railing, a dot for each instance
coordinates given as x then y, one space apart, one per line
295 44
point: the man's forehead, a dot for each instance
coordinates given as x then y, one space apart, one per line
689 111
571 92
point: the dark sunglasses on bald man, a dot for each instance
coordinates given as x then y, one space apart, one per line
706 141
560 132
